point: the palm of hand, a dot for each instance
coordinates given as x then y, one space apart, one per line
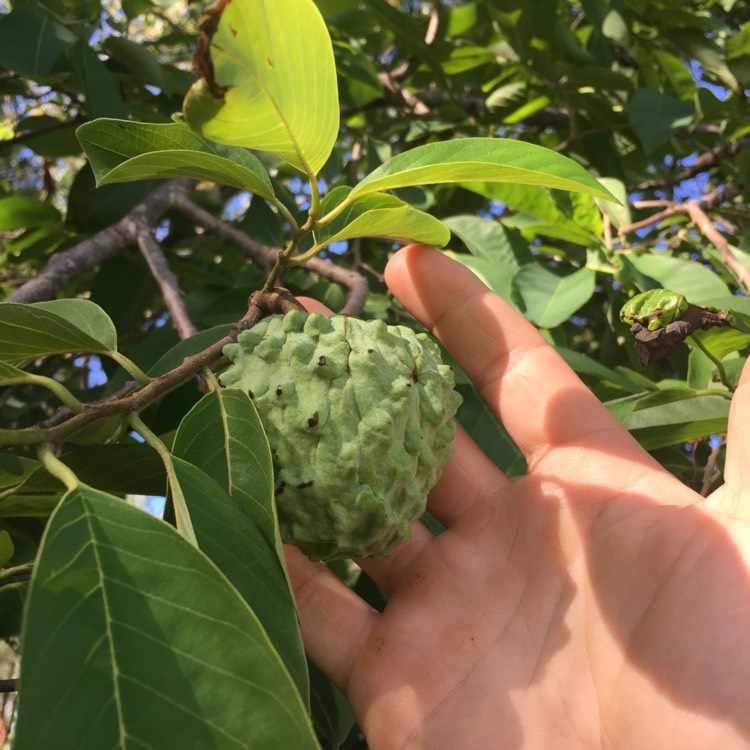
595 603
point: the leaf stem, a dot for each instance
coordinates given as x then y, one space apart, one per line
13 586
56 467
286 213
298 260
130 366
17 570
50 384
182 515
717 363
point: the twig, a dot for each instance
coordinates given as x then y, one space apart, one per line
260 304
265 256
712 234
709 475
702 164
105 245
168 283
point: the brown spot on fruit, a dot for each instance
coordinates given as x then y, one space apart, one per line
321 361
314 419
280 489
305 485
279 390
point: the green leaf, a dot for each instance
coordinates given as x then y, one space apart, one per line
123 468
135 58
223 439
134 639
675 415
252 565
550 299
103 98
223 435
28 506
490 240
15 469
618 215
7 550
31 41
584 365
23 211
331 714
699 284
10 375
121 151
655 116
61 326
380 215
481 160
494 274
722 341
534 201
264 54
478 419
175 356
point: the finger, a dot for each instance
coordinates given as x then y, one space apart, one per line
313 305
538 398
734 496
468 479
334 621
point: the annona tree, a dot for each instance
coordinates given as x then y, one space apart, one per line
175 173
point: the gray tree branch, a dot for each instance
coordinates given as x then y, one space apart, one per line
66 266
168 283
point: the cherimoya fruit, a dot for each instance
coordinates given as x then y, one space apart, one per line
359 416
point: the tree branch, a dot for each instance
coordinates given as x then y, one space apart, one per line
168 283
265 256
66 266
261 304
711 233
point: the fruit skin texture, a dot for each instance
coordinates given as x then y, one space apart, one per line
359 416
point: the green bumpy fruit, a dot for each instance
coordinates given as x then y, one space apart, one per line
359 416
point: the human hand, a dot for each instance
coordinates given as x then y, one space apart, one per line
597 602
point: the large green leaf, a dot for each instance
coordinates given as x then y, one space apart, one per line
61 326
188 347
103 98
677 416
134 639
550 299
223 435
273 60
380 215
121 151
699 284
31 41
494 274
655 116
481 160
15 469
222 442
237 546
28 506
490 240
